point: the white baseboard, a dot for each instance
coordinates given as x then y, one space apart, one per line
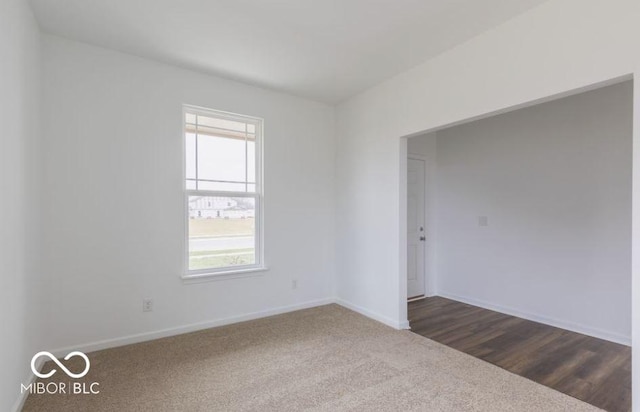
147 336
574 327
375 316
31 378
163 333
142 337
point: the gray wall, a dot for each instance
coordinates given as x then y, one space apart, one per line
554 181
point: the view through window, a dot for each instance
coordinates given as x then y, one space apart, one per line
223 191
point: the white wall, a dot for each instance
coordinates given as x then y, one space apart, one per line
557 47
554 181
113 142
19 117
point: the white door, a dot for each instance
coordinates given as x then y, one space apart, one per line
415 228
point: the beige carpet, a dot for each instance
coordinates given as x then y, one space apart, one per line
322 359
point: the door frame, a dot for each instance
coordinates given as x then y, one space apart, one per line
427 289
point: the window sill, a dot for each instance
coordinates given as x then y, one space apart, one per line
228 274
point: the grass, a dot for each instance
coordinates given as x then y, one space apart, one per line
198 253
208 259
221 227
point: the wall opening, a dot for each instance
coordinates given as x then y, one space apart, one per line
528 213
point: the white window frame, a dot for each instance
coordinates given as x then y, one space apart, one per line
258 195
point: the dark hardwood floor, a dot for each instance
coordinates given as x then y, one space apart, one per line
593 370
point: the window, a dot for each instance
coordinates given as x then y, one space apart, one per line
223 192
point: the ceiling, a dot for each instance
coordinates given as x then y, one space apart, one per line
326 50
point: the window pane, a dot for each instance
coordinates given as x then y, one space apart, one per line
190 118
220 154
222 123
221 186
190 153
251 162
221 158
210 131
221 232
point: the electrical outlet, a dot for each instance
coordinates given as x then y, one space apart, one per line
147 305
294 284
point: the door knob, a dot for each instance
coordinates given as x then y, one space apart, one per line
422 238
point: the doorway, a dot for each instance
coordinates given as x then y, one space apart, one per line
528 203
416 228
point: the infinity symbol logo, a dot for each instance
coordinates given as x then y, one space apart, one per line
53 358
